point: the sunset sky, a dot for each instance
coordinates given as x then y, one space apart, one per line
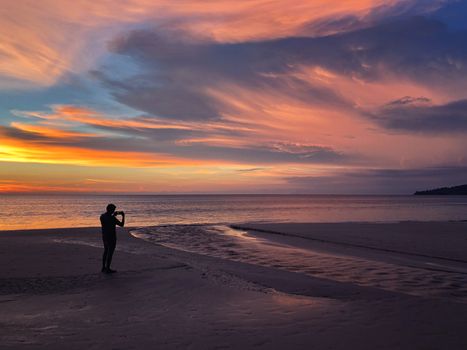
217 96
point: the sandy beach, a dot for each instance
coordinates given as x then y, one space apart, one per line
207 175
348 286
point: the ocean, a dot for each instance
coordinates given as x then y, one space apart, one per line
56 211
395 259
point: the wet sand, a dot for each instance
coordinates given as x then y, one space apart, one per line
342 294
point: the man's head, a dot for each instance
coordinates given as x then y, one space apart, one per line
111 208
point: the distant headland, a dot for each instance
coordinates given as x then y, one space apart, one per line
450 191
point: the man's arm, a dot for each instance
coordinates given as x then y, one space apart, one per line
121 223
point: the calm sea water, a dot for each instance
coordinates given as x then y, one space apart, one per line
50 211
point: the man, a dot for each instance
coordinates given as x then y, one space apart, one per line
109 235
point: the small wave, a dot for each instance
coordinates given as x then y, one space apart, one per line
94 244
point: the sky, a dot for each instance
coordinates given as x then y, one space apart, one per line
228 96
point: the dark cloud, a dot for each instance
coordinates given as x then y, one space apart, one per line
254 154
453 14
381 181
250 170
17 134
408 100
418 48
418 115
262 154
177 70
178 75
383 13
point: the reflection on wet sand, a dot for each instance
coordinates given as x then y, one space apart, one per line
237 245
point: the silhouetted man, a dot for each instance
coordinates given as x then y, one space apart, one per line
109 235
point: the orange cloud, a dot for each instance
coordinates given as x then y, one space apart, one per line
373 93
190 178
50 132
261 118
258 123
16 150
22 187
276 117
45 138
41 41
86 116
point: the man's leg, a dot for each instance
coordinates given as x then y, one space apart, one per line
105 255
111 248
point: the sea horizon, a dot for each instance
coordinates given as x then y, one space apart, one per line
25 211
